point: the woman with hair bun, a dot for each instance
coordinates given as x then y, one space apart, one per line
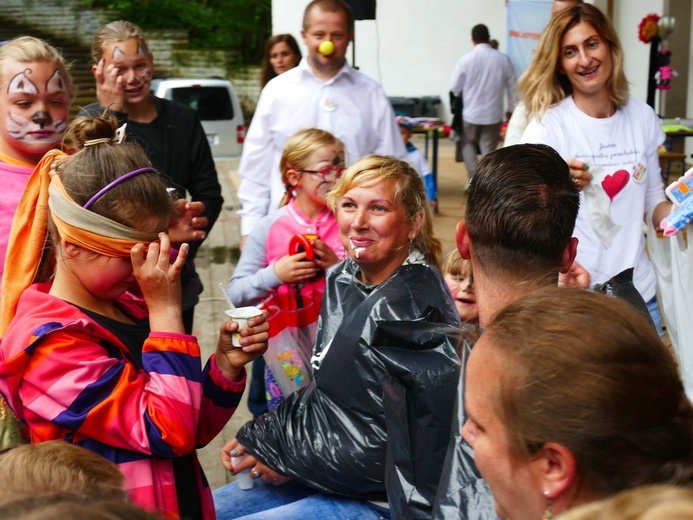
586 402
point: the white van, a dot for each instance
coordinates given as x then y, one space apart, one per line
217 107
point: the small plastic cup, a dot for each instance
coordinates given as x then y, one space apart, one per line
241 315
243 478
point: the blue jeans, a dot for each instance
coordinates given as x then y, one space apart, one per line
292 501
656 316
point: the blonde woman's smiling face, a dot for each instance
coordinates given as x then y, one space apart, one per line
374 229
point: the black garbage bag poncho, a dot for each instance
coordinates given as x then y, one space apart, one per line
331 435
419 398
622 286
462 493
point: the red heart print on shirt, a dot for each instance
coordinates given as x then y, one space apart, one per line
613 184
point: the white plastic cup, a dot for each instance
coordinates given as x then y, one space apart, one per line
245 481
241 315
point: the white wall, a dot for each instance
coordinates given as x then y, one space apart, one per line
627 17
413 45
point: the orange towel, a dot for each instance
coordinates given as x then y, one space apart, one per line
27 238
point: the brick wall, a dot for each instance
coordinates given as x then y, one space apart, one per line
246 81
62 18
172 58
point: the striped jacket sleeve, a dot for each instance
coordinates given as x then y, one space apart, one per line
89 387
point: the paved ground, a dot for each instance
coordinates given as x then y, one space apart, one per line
218 255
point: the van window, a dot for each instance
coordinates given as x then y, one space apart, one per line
211 103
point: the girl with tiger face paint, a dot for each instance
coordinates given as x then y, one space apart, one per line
35 88
34 100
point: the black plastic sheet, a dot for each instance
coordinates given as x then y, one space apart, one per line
462 493
423 371
621 286
332 434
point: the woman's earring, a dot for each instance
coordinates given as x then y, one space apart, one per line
548 515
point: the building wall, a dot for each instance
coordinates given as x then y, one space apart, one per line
413 45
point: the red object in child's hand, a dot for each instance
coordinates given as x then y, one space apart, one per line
300 243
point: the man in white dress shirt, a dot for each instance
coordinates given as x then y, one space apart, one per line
323 91
481 77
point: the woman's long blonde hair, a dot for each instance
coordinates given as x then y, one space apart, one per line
544 84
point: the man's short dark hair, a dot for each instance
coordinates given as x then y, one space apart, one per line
480 33
521 211
330 6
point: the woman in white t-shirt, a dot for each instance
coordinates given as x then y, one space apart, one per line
577 99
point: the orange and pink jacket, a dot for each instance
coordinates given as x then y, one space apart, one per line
69 378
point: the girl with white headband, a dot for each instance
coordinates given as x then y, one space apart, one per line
85 360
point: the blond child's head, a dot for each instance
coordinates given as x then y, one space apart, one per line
312 161
457 272
57 466
35 93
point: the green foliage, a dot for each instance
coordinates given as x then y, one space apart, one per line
229 24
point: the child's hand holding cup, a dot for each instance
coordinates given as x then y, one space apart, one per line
241 315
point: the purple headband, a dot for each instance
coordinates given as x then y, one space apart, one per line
115 183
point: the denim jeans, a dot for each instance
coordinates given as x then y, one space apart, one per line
656 316
292 501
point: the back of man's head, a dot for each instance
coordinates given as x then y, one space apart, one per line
330 6
521 212
480 34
